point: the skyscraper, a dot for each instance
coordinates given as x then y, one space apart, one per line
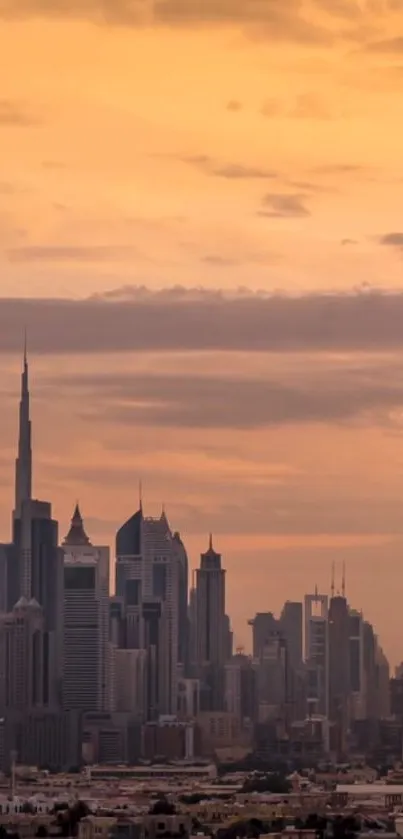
35 564
129 575
264 624
41 561
356 659
183 619
339 660
18 567
317 652
211 628
160 582
87 654
23 664
291 620
129 567
271 679
23 465
240 688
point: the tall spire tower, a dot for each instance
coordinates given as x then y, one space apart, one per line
23 464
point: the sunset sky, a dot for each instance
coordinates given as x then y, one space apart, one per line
201 226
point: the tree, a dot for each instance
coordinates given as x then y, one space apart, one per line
274 783
163 807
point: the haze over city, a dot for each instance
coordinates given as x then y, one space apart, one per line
200 228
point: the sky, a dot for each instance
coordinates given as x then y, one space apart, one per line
201 228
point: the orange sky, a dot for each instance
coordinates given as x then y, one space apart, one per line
211 144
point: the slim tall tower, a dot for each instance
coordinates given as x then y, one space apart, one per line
23 464
317 652
211 628
87 655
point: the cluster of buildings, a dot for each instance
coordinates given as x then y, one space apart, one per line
86 677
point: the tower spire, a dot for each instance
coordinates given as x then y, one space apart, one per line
23 464
343 581
332 583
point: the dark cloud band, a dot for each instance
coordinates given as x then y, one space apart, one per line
135 319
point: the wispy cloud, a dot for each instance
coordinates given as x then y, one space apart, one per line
388 45
73 253
228 170
392 240
278 205
234 106
14 114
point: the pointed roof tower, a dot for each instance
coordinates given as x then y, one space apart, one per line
211 559
23 464
77 535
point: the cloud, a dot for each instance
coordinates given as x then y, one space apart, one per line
264 18
309 106
234 106
125 12
252 258
238 172
137 319
14 114
308 186
229 171
388 45
73 253
219 261
338 169
392 240
324 394
7 188
284 206
346 242
271 108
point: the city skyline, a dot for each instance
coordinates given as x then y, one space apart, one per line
76 535
231 145
154 653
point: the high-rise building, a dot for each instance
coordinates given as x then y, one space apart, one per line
152 580
192 618
160 582
131 682
228 638
356 659
19 572
339 660
9 577
240 688
271 679
317 653
382 690
34 561
370 671
41 561
183 586
291 628
23 658
264 624
129 562
188 698
211 628
129 575
87 653
23 465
